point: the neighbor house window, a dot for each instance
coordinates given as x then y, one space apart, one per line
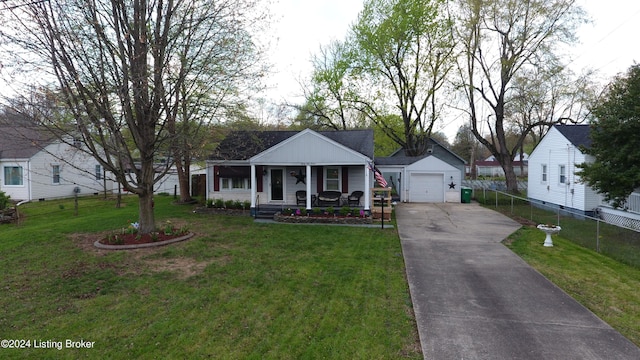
13 175
56 174
544 173
332 180
235 183
563 174
98 172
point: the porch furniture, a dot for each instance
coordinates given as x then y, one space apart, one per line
301 197
354 198
381 197
329 198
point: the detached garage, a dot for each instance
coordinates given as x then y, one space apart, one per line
435 177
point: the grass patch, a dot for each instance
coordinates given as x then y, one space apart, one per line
237 290
618 243
606 287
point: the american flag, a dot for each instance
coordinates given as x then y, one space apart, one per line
378 175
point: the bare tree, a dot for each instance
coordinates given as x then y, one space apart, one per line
504 41
130 72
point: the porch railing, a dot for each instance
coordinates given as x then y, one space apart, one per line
633 202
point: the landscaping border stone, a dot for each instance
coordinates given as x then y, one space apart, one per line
100 245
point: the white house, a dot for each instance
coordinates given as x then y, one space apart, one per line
276 167
553 179
34 166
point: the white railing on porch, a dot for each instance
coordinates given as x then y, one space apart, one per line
633 203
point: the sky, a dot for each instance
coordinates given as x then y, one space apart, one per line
301 27
609 44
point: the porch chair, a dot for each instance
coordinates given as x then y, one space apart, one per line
301 197
354 198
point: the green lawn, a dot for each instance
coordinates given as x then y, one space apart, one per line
237 290
608 288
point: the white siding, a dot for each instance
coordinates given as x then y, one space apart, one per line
77 169
16 192
308 147
555 151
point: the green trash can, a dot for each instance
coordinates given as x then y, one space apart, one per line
466 194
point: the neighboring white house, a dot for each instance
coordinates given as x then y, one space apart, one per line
34 166
553 179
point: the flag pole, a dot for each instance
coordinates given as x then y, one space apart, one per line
382 217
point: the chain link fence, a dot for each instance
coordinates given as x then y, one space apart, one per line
618 242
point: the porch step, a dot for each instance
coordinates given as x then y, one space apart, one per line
266 214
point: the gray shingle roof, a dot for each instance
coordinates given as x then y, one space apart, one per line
578 135
17 142
242 145
439 151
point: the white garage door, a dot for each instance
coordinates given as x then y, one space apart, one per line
426 188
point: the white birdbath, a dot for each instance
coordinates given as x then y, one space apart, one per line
549 230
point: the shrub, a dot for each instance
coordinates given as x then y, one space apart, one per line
330 210
209 203
246 204
229 204
345 210
4 200
238 204
316 211
219 203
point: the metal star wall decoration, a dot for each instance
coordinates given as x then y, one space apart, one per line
300 177
452 185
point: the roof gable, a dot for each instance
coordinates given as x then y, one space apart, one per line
399 157
432 163
310 147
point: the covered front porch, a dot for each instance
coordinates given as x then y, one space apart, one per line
280 186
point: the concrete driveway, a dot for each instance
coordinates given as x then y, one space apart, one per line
475 299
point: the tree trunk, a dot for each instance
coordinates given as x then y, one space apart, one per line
510 175
146 213
184 175
145 198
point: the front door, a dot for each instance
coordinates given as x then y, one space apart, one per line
277 186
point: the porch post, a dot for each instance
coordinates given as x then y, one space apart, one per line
367 188
254 189
308 167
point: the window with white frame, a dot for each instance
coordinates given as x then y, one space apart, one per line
563 174
55 173
332 178
235 183
98 172
13 176
544 173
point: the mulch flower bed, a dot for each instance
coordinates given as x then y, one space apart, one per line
134 239
323 219
129 238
